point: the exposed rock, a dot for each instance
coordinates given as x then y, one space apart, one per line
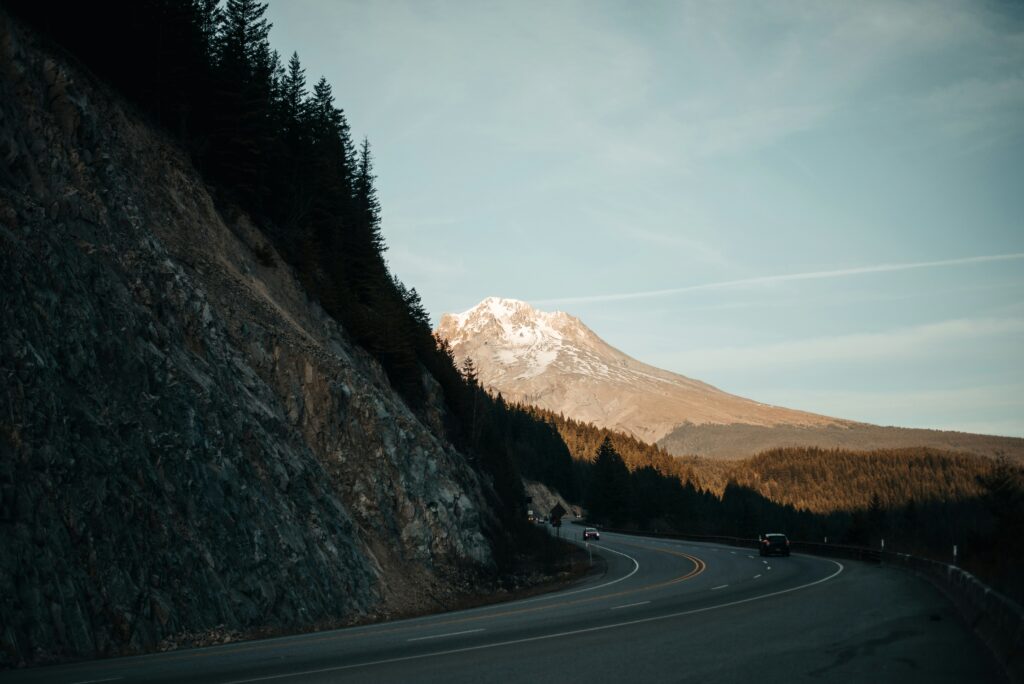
544 499
188 446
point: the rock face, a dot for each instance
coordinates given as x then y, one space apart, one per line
554 361
186 442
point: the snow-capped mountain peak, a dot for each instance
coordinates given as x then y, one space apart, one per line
519 336
551 359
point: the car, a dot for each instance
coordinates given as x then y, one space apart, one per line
774 542
591 533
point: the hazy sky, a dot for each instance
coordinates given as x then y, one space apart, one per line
818 205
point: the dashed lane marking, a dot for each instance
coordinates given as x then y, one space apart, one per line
449 634
720 586
756 576
630 605
543 637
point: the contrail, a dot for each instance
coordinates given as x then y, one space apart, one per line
786 277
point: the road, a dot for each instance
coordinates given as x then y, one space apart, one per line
663 611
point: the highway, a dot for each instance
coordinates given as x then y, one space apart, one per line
663 611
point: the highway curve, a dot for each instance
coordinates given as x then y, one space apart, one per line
663 611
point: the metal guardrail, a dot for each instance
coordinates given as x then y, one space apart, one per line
997 619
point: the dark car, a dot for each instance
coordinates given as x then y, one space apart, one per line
591 533
774 543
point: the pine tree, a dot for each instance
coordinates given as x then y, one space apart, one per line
208 16
367 204
293 99
327 121
469 372
608 493
243 128
243 39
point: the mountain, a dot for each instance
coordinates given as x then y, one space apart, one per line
555 362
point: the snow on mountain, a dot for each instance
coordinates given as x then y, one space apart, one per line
554 361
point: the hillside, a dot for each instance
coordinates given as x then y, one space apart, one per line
825 481
189 443
736 441
821 481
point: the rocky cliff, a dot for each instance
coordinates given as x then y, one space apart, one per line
187 443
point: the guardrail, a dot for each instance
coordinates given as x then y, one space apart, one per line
996 619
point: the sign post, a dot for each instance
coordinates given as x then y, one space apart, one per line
556 517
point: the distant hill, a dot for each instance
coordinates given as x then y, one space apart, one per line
739 441
828 480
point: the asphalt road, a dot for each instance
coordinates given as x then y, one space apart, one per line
664 611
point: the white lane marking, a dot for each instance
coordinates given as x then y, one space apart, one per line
441 636
630 605
756 576
547 597
767 567
749 556
733 552
483 609
720 586
516 642
97 681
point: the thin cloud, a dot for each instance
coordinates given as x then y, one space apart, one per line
917 342
985 409
783 278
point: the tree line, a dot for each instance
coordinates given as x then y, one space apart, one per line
826 480
920 501
583 440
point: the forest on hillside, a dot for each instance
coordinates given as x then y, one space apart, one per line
827 480
920 501
583 440
277 147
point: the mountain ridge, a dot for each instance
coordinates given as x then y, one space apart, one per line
552 360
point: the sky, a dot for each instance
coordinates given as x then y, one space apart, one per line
818 205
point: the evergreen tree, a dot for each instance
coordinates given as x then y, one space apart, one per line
608 494
293 100
367 204
207 21
243 122
469 372
243 39
327 122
